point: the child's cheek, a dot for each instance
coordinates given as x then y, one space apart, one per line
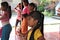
30 23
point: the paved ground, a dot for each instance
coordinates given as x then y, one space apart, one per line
52 36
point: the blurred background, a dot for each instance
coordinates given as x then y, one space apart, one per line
51 21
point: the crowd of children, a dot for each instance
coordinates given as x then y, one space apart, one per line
28 17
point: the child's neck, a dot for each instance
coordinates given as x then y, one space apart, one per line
31 10
4 10
34 26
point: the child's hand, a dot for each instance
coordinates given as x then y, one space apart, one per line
17 31
24 37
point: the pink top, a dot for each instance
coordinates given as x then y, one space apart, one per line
18 13
4 17
25 10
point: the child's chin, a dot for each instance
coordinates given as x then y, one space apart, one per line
30 26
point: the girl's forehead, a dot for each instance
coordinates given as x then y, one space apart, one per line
30 17
30 6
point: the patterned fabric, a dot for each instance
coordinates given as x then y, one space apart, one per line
37 34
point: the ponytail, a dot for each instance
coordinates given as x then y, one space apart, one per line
9 10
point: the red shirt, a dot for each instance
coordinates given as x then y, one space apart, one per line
18 13
25 10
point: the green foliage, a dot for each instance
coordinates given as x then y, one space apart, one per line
42 5
40 8
47 13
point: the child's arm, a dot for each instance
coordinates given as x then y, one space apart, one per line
16 7
15 10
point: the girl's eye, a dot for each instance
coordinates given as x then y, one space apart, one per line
28 18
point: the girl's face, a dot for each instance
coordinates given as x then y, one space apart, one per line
31 21
30 8
19 6
3 8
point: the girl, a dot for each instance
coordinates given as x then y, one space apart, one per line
35 21
5 17
33 7
25 9
18 10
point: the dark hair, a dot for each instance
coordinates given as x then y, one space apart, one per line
10 12
22 6
5 4
25 1
8 8
40 17
33 5
25 15
19 4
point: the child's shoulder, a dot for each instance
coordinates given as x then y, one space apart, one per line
37 34
36 31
